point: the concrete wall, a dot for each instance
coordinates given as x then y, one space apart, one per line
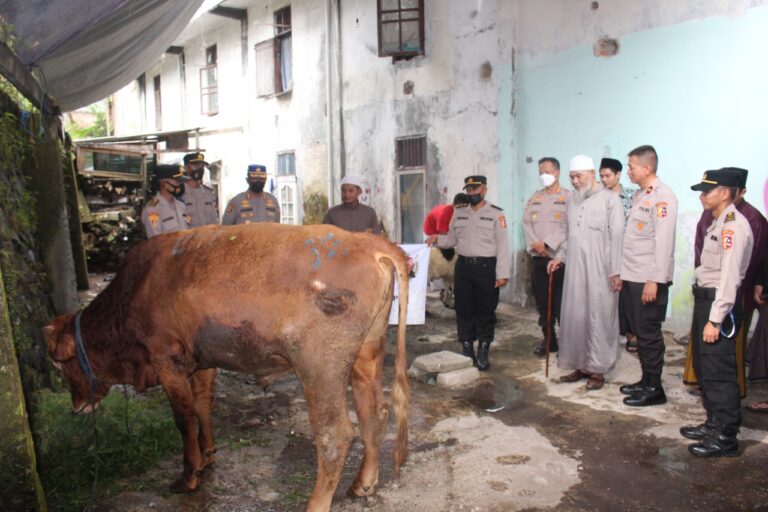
688 78
452 103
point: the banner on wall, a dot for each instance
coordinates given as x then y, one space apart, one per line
417 286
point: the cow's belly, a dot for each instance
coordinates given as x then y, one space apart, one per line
237 348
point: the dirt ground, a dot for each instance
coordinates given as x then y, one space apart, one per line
547 446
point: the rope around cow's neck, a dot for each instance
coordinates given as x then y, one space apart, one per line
85 366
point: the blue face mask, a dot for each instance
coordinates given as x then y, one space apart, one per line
474 199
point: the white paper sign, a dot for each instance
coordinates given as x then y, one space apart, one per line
417 286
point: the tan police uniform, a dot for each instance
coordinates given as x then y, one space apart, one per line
648 256
544 220
162 216
724 261
481 241
200 205
248 207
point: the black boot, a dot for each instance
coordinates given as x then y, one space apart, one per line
482 356
468 349
698 432
631 389
541 349
651 394
721 443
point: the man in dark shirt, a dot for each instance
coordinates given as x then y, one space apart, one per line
351 214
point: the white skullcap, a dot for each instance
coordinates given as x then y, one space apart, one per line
582 163
353 180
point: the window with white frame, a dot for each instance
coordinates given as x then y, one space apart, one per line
411 164
286 163
287 204
209 83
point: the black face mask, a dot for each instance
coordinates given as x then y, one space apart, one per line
177 190
474 199
197 174
256 186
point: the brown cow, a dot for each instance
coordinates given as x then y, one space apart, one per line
259 299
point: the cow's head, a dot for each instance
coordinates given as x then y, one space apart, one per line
60 340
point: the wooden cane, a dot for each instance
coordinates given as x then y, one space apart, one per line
549 321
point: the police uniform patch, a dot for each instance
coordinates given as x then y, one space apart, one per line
534 216
730 216
503 221
661 211
640 226
646 203
560 199
727 238
558 215
154 218
188 218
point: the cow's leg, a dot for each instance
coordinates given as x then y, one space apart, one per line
371 413
179 391
326 394
203 383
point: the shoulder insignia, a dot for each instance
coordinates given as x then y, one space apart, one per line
154 202
661 211
730 217
494 206
503 221
649 189
727 238
154 218
230 208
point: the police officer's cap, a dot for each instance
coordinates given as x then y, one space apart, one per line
612 164
166 172
257 171
472 181
728 177
194 158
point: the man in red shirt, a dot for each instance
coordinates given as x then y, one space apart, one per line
439 217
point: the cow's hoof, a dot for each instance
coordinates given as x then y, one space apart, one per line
360 491
185 484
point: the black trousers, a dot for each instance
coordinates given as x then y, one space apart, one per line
624 328
715 364
645 323
476 298
540 284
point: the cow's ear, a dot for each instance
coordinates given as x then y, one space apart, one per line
62 347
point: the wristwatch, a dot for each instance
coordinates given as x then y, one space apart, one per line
716 325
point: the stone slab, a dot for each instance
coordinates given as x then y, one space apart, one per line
443 361
458 378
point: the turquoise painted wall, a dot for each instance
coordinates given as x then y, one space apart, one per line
697 91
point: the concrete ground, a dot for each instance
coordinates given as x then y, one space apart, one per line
513 441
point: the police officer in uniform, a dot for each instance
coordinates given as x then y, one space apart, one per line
198 199
717 314
544 229
479 234
165 212
253 205
647 265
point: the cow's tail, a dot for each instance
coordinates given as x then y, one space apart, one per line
400 387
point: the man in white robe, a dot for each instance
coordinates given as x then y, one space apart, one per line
589 322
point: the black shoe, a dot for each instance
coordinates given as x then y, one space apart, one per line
719 444
468 349
647 396
631 389
697 432
482 356
541 350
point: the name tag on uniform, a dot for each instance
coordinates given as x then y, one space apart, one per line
487 218
169 219
461 218
270 209
246 209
